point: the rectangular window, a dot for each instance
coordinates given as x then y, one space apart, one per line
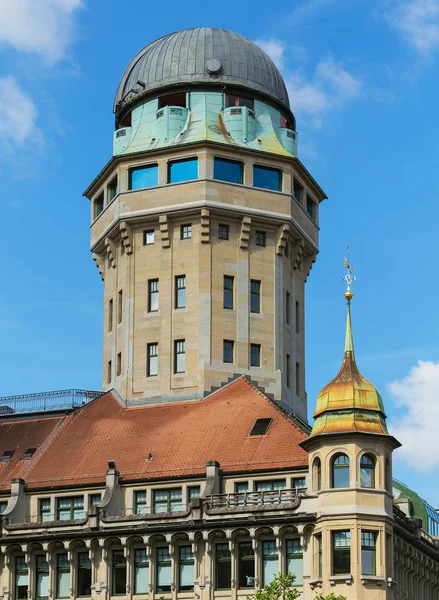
298 191
180 291
109 374
234 100
112 190
246 565
255 355
223 232
179 356
288 370
98 205
183 170
267 178
297 317
185 569
94 500
228 351
70 508
227 170
118 574
297 378
287 307
270 561
140 502
228 292
368 552
299 482
153 295
62 576
311 207
143 177
163 573
148 237
83 575
41 577
110 315
295 560
271 486
341 552
186 232
165 501
260 238
21 578
152 366
119 364
255 296
319 554
141 571
223 567
120 306
241 487
173 100
194 492
44 510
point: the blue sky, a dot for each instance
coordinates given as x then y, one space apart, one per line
363 81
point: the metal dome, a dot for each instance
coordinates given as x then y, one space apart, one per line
201 55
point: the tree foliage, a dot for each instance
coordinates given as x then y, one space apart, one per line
280 587
331 596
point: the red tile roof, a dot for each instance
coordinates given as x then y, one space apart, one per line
181 437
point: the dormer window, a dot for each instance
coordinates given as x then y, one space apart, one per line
234 100
172 100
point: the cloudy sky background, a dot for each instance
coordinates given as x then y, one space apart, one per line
363 83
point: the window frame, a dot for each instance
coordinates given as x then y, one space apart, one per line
42 512
263 168
255 351
255 295
169 500
260 238
41 570
80 568
337 550
288 370
147 167
138 565
140 500
179 351
228 292
146 233
153 295
60 570
150 347
180 288
237 163
368 470
164 589
231 349
113 186
269 557
346 466
182 562
72 508
292 555
20 570
223 231
171 163
369 550
242 559
122 566
225 560
186 231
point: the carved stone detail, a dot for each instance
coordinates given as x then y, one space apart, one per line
110 247
298 248
245 232
126 234
284 233
164 231
100 264
205 226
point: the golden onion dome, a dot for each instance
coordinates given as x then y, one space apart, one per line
350 402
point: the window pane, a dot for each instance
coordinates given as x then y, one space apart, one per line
194 492
299 482
163 570
255 355
246 566
260 238
63 584
341 552
241 487
223 232
368 552
83 574
21 578
295 560
340 471
255 287
228 351
42 577
144 177
183 170
148 237
141 569
180 291
227 170
186 232
228 292
270 561
119 573
269 179
223 567
186 568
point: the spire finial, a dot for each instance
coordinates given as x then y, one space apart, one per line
349 278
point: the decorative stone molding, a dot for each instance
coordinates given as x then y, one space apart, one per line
284 232
110 248
308 262
164 231
298 248
245 232
100 264
126 234
347 579
205 226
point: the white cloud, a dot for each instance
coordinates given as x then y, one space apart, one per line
18 115
308 8
331 86
417 22
43 27
418 395
274 48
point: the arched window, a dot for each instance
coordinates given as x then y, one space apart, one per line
367 471
340 471
317 474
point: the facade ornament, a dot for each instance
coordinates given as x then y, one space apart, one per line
126 234
245 233
297 253
111 252
205 226
164 231
284 234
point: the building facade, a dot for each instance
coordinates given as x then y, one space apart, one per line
194 473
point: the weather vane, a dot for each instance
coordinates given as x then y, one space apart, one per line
349 278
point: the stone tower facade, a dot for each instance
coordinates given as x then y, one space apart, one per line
204 225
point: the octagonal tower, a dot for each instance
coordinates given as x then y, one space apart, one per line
204 225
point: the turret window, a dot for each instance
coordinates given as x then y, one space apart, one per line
223 232
311 207
368 552
267 178
112 190
143 177
227 170
340 471
98 205
235 100
260 238
183 170
341 552
317 474
367 471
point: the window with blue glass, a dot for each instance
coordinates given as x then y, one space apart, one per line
340 471
227 170
143 177
295 560
183 170
267 178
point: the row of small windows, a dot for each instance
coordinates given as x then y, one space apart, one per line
105 197
186 234
340 472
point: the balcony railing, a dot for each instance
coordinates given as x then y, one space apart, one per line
253 499
45 401
44 520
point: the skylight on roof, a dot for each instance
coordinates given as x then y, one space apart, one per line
260 426
28 454
7 455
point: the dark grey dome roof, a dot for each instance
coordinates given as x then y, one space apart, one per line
201 55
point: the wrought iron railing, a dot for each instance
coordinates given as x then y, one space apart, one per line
241 499
43 401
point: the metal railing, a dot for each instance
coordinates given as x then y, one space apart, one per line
241 499
44 401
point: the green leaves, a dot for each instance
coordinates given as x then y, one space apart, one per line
280 587
330 597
